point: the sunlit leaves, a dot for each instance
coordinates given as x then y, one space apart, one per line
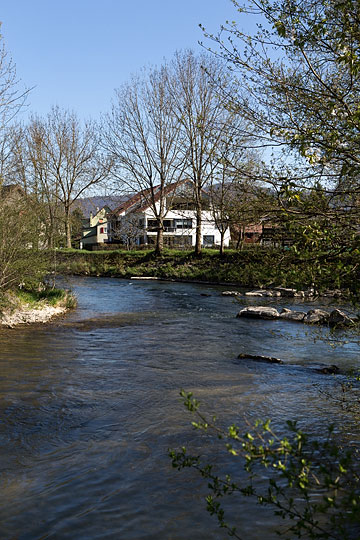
312 484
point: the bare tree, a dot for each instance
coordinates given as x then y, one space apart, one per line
143 137
9 136
41 182
12 99
127 230
12 96
221 193
65 155
205 119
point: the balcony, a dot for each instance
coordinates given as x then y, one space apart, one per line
166 230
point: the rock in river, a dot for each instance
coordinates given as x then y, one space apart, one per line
315 316
328 370
261 358
259 312
292 315
255 293
339 318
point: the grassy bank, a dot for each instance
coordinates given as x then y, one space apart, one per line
24 300
50 296
252 267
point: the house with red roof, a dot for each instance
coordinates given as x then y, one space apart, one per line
133 223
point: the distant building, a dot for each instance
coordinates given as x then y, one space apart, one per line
137 217
133 222
95 229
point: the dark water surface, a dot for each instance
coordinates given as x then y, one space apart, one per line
89 406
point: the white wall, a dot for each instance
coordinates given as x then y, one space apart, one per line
208 226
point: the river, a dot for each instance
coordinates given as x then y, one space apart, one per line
90 404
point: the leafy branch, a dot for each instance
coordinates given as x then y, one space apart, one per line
312 484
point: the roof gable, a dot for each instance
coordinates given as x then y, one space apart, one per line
140 202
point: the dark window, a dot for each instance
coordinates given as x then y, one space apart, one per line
178 241
152 225
208 240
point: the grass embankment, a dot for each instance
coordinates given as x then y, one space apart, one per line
49 296
252 267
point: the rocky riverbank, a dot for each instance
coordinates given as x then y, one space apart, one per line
31 315
287 292
18 311
334 319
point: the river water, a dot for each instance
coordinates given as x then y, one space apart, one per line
90 404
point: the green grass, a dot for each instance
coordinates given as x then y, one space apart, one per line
48 295
254 266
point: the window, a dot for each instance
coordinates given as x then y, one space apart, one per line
183 223
208 240
152 225
178 241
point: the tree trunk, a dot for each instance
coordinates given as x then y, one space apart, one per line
160 238
68 227
222 237
51 231
198 227
240 242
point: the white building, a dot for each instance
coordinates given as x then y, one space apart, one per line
134 221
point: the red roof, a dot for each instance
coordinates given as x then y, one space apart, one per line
141 199
135 199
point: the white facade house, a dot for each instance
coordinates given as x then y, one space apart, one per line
135 222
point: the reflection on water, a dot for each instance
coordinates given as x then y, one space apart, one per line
89 406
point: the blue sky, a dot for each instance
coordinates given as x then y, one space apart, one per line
75 53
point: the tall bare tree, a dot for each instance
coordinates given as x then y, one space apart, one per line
205 119
12 96
41 182
143 137
66 156
12 99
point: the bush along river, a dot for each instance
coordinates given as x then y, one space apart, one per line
90 405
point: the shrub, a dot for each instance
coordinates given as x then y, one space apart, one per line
312 484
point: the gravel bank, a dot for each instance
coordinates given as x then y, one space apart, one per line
29 315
